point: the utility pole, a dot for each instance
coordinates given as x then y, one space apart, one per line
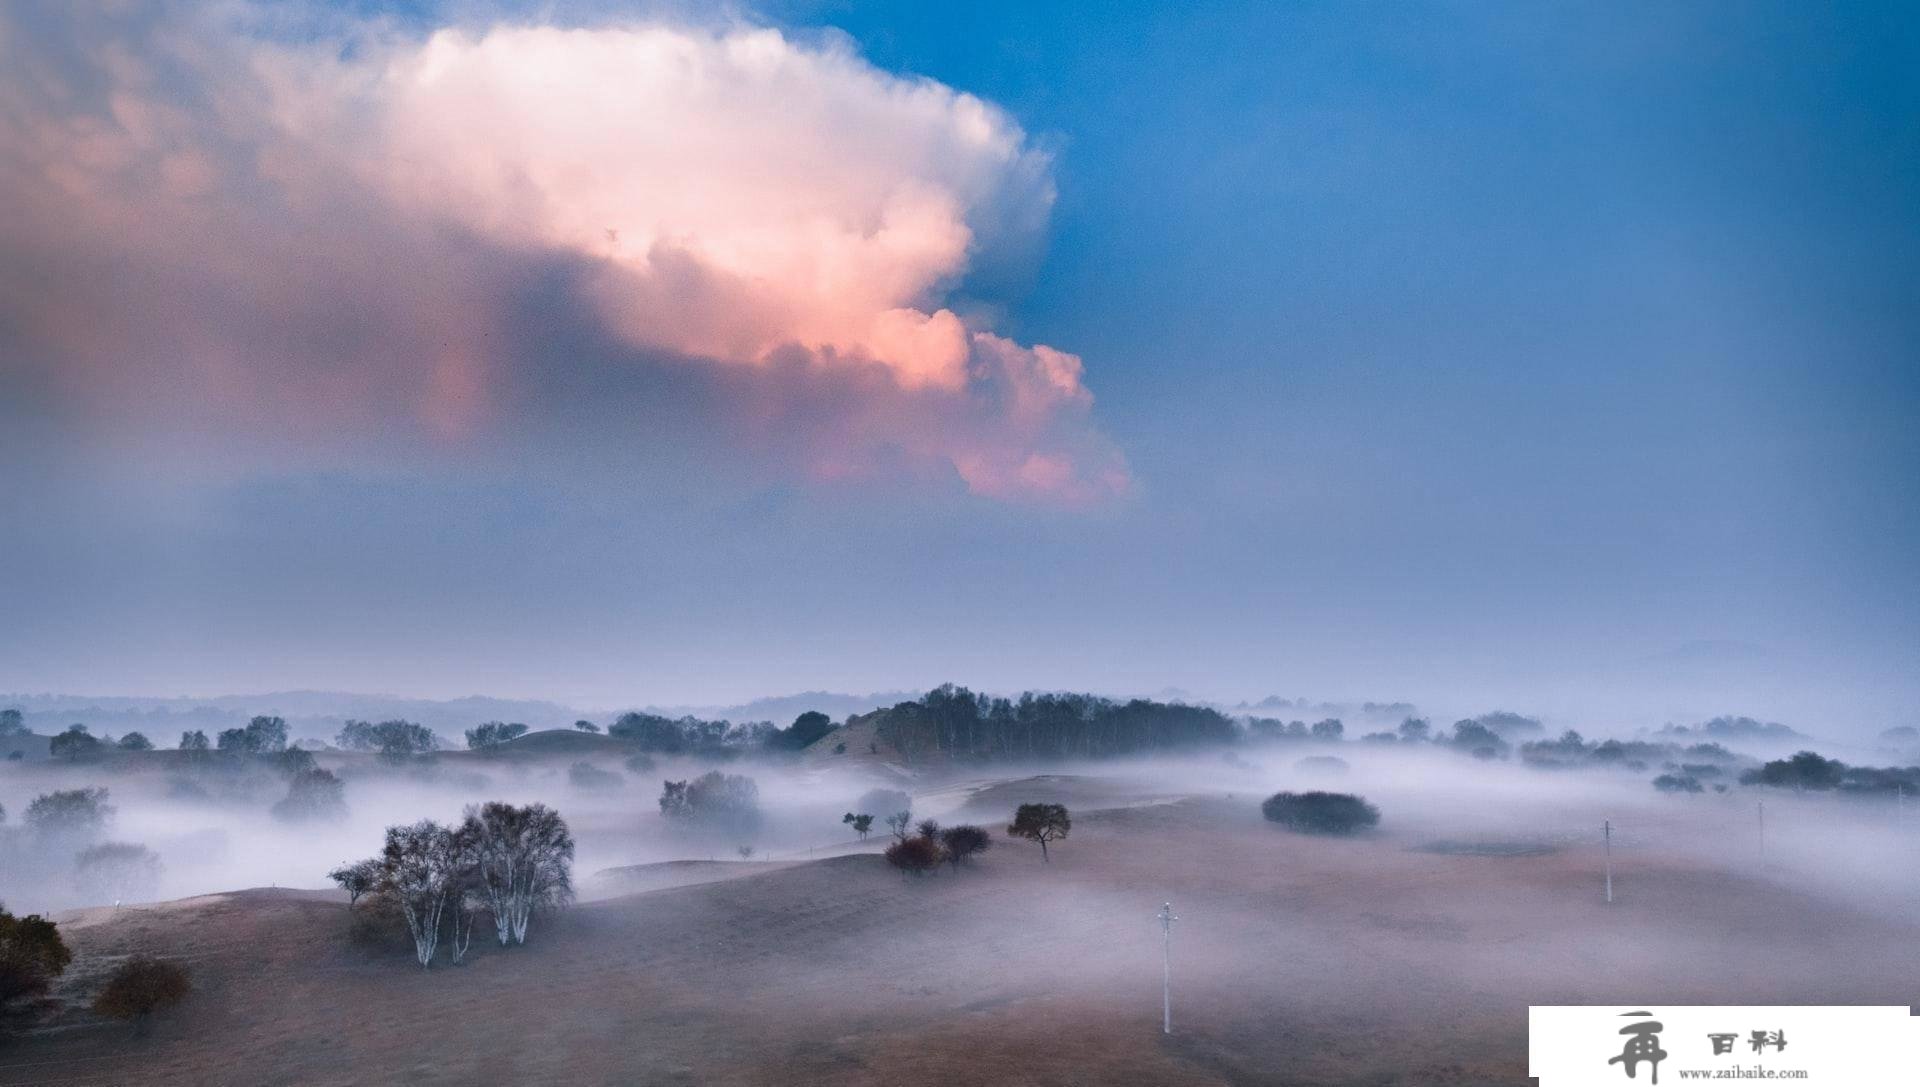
1166 967
1607 829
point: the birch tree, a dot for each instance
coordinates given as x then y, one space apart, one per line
419 865
465 890
524 859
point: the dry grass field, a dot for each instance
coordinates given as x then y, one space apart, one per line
1298 960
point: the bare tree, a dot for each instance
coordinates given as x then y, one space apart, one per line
899 822
418 867
1041 823
525 860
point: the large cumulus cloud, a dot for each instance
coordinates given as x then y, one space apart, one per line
369 237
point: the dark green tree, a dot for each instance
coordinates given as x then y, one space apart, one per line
1320 813
493 734
76 744
1041 823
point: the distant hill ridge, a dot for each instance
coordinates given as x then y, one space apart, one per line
319 714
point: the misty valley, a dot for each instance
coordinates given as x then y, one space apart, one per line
951 886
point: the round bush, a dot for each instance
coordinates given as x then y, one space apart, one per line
916 856
1320 813
141 986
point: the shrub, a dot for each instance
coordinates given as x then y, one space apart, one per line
1320 813
1678 783
916 856
31 956
141 986
378 924
962 842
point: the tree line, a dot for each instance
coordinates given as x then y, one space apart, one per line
955 722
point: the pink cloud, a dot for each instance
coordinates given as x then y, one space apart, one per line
273 236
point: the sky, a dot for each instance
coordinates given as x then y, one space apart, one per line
1543 356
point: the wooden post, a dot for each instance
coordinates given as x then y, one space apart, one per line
1607 829
1166 967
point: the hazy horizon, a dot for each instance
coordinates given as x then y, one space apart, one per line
1557 360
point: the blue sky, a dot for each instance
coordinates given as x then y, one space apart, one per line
1472 353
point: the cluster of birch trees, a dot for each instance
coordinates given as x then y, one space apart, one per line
508 861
